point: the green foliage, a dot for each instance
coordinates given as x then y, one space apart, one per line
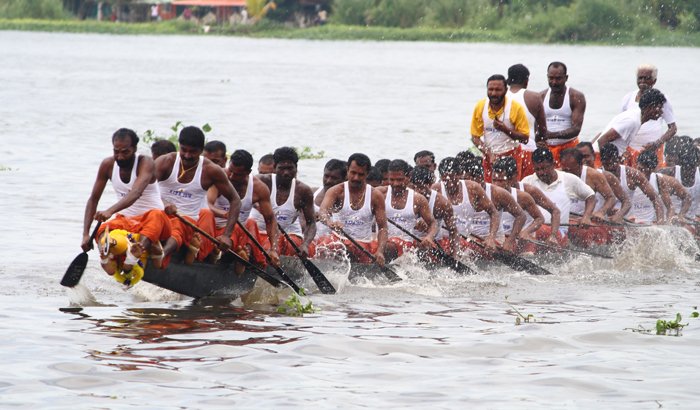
4 168
353 12
150 136
667 327
36 9
520 318
306 153
397 13
293 306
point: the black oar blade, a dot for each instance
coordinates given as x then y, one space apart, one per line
75 270
520 264
324 285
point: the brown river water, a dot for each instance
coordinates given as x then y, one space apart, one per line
434 340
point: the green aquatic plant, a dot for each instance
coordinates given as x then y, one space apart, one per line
4 168
520 318
306 153
667 327
293 306
151 136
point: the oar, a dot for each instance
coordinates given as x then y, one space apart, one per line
446 259
261 273
279 270
388 272
77 267
561 248
319 278
511 260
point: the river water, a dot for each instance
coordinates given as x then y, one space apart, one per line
434 340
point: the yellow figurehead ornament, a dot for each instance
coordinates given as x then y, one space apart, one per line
117 258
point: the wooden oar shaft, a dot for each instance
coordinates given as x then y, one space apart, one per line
451 262
390 274
319 278
261 273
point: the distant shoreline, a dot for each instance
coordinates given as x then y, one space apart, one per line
332 32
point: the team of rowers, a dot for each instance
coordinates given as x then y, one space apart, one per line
522 193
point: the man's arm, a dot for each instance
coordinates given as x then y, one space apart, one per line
103 174
609 136
541 199
145 173
304 203
422 208
482 203
677 189
625 202
505 201
261 197
600 185
326 209
212 196
528 205
443 210
380 218
536 108
219 179
644 185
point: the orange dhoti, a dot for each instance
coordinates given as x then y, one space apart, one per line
333 243
284 248
490 159
527 166
557 149
397 246
153 224
238 238
629 157
587 236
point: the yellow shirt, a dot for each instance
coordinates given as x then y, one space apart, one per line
517 119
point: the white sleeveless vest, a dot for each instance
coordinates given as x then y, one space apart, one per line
188 198
149 199
405 217
558 119
357 223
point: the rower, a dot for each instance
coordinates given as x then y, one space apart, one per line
425 159
655 133
624 126
466 198
404 207
266 164
630 179
503 200
421 180
530 200
290 198
665 186
561 188
138 210
255 193
498 125
354 206
564 109
162 147
374 177
382 166
518 79
184 179
334 172
572 162
589 156
687 173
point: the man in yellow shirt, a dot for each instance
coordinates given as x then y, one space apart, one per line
499 125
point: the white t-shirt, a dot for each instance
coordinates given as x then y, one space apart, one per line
626 124
650 131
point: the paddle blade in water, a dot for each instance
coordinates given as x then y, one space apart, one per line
324 285
75 270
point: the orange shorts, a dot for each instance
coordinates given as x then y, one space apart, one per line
399 246
630 156
557 149
528 167
153 224
515 154
284 248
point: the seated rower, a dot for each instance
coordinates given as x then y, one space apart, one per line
421 180
184 179
138 210
530 199
255 193
503 200
562 188
644 211
335 172
686 172
289 198
466 198
403 207
572 162
630 179
354 206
